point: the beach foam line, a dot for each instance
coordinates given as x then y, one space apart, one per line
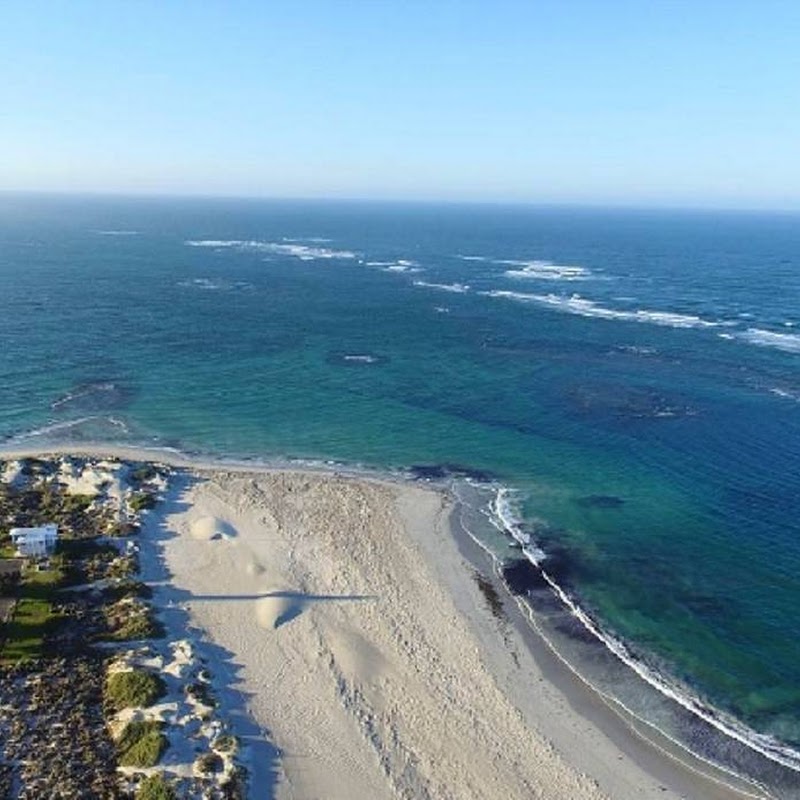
56 427
303 252
457 288
505 520
575 304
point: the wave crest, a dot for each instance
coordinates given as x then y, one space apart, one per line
575 304
788 342
545 271
304 252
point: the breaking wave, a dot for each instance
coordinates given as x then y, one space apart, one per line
210 285
575 304
545 271
457 288
502 516
788 342
304 252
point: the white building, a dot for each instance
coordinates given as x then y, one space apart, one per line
35 542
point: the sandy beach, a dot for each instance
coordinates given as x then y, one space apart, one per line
361 646
370 659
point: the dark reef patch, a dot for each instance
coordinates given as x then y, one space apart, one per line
521 576
437 472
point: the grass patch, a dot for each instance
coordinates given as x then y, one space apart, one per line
141 744
45 578
23 636
156 787
137 688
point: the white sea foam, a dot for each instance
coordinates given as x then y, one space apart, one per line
504 518
789 395
400 265
473 258
361 359
458 288
86 392
55 427
789 342
301 251
211 285
575 304
545 271
117 233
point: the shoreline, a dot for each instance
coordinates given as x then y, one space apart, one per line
640 752
665 760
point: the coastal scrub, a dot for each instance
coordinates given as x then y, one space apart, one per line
141 744
133 689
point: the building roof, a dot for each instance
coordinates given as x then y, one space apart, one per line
42 530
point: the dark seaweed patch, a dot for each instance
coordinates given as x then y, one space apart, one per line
490 594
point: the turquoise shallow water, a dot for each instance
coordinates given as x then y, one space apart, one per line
635 375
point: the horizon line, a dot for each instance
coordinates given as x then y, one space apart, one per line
388 200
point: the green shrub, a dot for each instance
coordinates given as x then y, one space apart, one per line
201 693
142 501
156 787
225 744
126 587
141 744
209 763
143 473
133 689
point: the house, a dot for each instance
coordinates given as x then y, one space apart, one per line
35 542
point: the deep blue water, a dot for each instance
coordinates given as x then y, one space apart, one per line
634 374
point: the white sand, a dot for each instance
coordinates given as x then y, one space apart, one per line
357 653
363 649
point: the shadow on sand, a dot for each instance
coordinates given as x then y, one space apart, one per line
261 756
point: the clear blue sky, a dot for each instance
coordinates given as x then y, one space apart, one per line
590 101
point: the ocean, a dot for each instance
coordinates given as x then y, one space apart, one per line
627 381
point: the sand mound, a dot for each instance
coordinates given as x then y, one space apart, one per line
254 569
208 528
278 607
